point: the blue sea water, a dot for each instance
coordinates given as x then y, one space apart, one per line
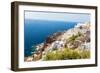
36 31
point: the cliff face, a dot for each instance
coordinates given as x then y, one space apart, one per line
75 38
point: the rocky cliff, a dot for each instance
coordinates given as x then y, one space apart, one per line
74 38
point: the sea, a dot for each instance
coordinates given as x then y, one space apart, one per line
36 31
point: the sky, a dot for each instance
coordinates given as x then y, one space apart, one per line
57 16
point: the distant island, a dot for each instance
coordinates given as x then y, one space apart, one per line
64 45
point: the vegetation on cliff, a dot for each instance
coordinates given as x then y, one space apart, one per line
66 54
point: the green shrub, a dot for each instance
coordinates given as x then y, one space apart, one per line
73 55
85 54
72 38
66 54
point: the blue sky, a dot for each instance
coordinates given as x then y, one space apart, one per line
53 16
